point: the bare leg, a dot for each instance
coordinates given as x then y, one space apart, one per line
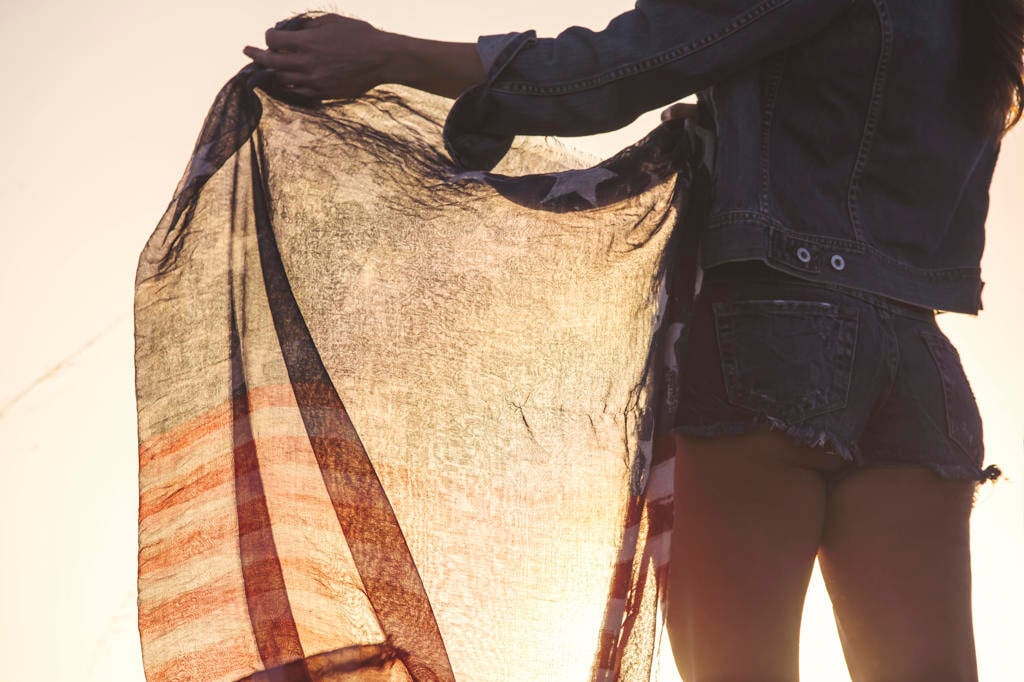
896 561
749 513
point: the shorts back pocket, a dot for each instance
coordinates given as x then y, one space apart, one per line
784 358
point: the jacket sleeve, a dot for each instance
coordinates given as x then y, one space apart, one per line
584 82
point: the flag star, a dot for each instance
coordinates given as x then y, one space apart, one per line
582 182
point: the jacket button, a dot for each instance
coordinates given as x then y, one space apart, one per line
804 255
838 262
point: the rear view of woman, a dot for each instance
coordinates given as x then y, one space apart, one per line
823 412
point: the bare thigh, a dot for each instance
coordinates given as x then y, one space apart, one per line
895 557
749 514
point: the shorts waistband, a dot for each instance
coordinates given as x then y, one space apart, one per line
757 270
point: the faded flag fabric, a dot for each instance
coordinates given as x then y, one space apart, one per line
398 420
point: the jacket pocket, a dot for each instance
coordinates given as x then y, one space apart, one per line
963 420
786 359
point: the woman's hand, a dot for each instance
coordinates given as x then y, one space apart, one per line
330 57
335 57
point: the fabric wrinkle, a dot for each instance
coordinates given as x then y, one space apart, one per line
373 436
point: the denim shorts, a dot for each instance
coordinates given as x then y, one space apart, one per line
869 378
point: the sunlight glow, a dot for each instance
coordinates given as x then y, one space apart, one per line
106 100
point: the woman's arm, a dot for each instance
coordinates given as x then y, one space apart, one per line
445 69
336 57
584 82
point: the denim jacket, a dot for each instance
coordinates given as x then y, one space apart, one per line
845 150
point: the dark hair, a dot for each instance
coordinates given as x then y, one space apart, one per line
994 68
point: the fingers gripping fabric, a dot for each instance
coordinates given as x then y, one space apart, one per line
396 420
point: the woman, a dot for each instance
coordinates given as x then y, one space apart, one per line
824 413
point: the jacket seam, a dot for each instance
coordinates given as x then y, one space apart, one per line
871 122
648 63
774 85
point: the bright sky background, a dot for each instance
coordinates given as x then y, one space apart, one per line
104 102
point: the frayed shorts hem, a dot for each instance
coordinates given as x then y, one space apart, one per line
812 436
871 380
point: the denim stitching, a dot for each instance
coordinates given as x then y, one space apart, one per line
776 226
948 364
774 85
851 359
892 353
509 52
648 63
874 112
